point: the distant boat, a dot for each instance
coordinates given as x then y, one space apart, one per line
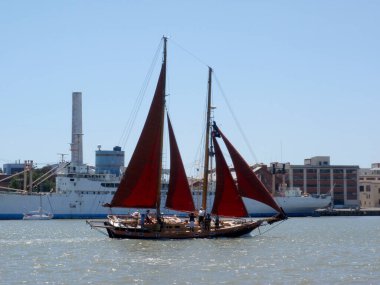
140 187
293 201
40 214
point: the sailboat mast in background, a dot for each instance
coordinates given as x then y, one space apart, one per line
207 142
158 202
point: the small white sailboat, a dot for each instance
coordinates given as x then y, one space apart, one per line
40 214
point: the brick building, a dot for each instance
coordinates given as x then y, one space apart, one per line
318 176
369 186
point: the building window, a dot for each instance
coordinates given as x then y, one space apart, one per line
368 188
361 188
351 195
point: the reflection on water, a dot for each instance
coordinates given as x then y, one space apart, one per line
329 250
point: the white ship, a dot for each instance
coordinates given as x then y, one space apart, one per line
293 202
81 192
81 195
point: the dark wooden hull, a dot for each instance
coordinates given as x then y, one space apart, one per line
229 231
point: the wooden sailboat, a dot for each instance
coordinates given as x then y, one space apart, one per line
140 187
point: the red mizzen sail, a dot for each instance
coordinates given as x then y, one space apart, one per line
227 200
248 184
179 196
138 187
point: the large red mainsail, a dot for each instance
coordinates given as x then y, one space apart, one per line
138 187
179 196
248 184
227 200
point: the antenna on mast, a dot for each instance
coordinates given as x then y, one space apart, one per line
62 156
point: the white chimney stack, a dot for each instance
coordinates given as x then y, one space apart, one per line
77 135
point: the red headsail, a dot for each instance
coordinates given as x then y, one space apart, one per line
179 196
138 187
248 184
227 201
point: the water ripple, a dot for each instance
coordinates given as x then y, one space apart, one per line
334 250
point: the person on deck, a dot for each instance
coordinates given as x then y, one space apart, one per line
191 221
148 220
216 222
207 222
201 216
142 219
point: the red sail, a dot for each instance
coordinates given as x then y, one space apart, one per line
179 196
138 187
248 184
227 200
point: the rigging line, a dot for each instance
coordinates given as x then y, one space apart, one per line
271 228
51 207
200 148
236 120
132 117
98 230
190 53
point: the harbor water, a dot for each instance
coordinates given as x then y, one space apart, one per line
324 250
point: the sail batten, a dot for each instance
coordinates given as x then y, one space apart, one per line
179 197
139 187
227 202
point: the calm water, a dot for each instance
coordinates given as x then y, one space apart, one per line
328 250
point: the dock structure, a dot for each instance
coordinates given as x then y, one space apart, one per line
349 212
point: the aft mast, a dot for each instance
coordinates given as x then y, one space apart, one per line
158 202
207 142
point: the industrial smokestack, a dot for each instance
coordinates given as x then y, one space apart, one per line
76 136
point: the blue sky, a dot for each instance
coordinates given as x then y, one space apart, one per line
301 76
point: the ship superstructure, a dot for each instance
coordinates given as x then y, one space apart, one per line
81 190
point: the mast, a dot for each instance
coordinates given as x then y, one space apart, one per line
207 142
158 202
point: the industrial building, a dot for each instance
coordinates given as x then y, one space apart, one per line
109 161
13 168
317 176
369 186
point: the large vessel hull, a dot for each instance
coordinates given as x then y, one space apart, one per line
88 205
297 206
